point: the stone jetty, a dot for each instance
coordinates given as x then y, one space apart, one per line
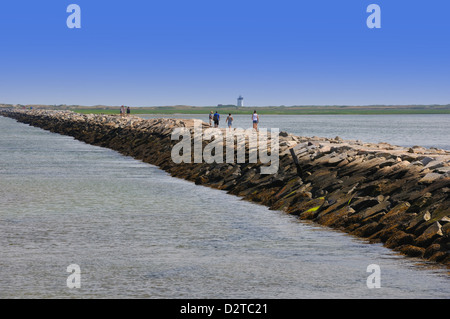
387 194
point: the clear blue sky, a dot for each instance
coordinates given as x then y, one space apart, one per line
206 52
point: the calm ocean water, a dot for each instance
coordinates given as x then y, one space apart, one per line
137 232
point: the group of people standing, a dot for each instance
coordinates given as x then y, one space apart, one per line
125 112
215 118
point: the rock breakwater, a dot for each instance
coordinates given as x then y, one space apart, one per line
388 194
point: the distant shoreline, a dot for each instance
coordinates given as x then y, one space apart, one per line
270 112
275 110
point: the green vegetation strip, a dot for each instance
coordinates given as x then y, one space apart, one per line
268 111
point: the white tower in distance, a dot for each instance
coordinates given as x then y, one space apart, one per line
240 101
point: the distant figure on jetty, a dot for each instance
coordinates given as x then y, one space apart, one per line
210 118
122 110
128 111
229 120
255 119
216 119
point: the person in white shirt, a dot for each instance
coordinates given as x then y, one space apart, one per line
255 119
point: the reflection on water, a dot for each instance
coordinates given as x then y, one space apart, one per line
137 232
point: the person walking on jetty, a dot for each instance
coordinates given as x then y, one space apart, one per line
128 111
216 119
229 120
122 111
255 119
210 118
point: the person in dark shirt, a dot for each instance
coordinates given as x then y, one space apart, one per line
216 119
